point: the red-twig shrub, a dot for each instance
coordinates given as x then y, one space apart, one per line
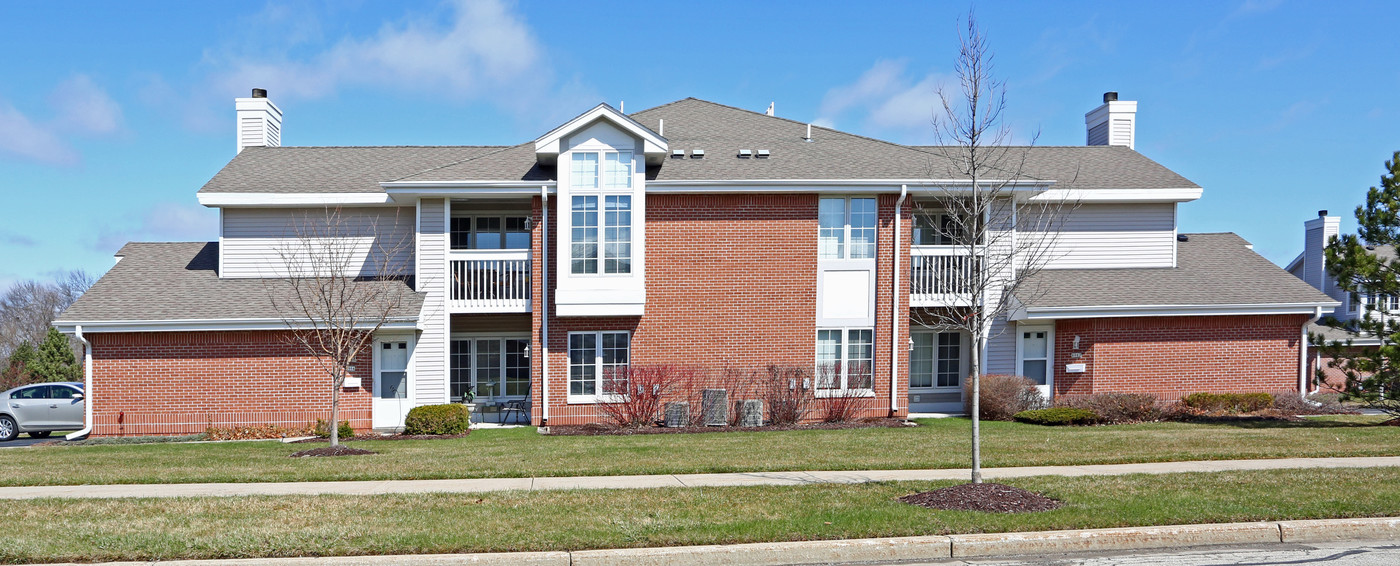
788 393
842 408
1115 408
639 393
1004 396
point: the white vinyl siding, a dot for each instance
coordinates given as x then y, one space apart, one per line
255 239
1115 235
430 355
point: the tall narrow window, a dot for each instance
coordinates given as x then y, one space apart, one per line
517 365
584 239
846 228
921 359
831 237
617 236
949 359
393 370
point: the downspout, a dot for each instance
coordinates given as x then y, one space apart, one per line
87 386
1303 354
544 306
895 294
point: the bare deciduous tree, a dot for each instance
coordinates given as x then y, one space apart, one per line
342 278
28 309
997 234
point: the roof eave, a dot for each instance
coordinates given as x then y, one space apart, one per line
1119 311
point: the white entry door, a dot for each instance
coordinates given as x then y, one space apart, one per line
393 391
1034 353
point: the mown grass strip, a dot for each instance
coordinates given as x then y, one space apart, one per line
151 529
937 443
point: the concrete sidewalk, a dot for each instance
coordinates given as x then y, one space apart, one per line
669 480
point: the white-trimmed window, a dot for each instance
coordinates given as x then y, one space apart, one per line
490 232
490 367
846 227
616 232
616 170
845 359
936 359
598 363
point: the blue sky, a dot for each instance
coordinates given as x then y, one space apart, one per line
112 114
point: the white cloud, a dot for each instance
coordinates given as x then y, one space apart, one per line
167 222
887 99
23 138
14 239
483 50
80 107
84 107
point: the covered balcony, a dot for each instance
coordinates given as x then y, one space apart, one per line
488 264
941 276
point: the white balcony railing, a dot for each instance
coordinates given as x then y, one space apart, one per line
488 280
940 276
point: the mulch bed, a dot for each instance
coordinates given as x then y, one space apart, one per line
388 437
987 497
610 430
326 451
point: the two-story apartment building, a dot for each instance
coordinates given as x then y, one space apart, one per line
691 234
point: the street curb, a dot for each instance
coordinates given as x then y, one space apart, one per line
902 549
1127 538
880 550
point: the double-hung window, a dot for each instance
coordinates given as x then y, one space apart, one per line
846 228
598 363
845 358
602 222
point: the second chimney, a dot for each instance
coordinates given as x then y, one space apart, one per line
1113 123
259 121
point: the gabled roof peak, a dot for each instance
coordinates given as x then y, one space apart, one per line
548 146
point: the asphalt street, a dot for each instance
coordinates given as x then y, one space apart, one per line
1386 553
25 440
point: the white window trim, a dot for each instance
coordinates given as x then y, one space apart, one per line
602 170
1049 331
597 368
475 216
473 336
602 228
844 391
963 362
847 242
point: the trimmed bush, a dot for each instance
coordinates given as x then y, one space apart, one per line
1115 408
451 418
342 432
1003 396
1228 403
1056 416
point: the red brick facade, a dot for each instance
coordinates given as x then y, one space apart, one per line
185 382
1174 356
731 284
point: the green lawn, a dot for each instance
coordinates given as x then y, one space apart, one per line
937 443
151 529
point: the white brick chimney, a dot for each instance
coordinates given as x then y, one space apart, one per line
259 121
1114 123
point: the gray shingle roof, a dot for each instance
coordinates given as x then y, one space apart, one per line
1212 269
690 124
178 281
330 169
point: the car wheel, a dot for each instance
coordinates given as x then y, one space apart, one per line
40 434
8 429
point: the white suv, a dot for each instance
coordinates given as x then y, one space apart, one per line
40 409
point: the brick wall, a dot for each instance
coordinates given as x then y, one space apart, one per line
1174 356
731 284
185 382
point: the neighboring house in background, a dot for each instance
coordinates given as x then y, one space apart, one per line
1311 267
690 234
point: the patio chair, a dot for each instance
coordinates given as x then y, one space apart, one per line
520 407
